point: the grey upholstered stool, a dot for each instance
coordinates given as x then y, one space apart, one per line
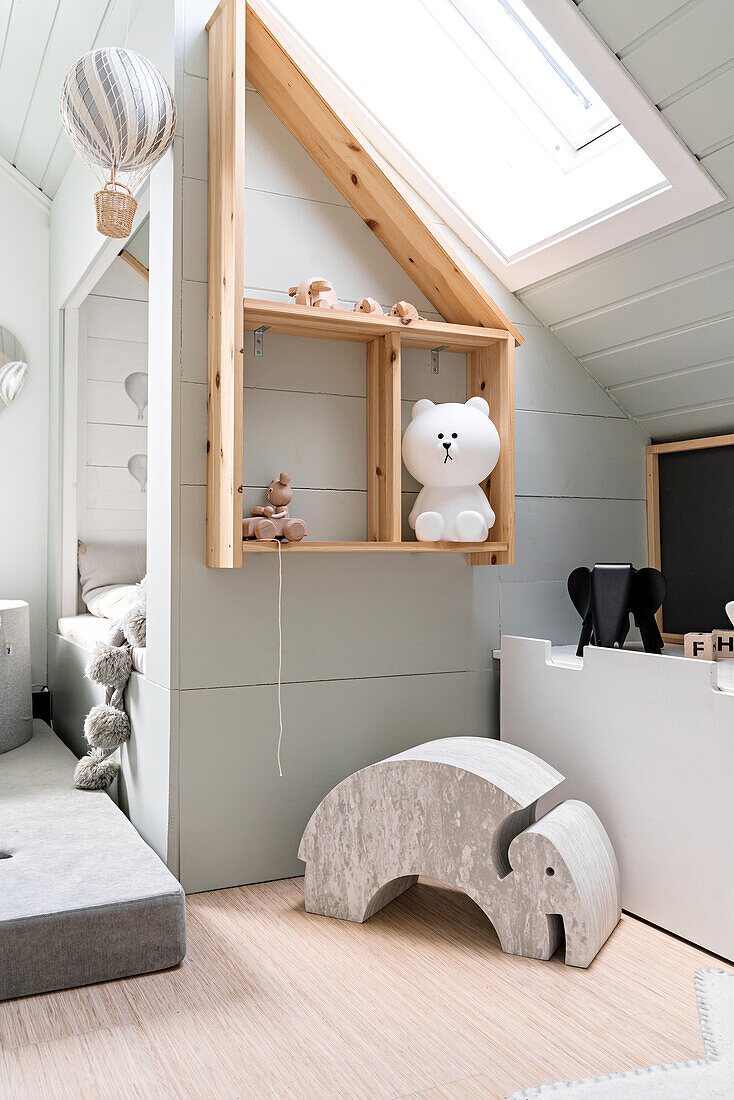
463 810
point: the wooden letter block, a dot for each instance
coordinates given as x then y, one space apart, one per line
723 644
700 646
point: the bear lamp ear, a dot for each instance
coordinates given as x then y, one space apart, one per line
420 407
479 404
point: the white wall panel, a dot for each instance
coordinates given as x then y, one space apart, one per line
675 391
697 41
693 299
624 20
675 254
113 360
127 321
690 346
690 423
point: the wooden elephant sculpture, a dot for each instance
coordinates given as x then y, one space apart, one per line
463 810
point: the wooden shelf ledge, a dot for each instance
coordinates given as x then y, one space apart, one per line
337 324
252 545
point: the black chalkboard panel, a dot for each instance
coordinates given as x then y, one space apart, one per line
697 537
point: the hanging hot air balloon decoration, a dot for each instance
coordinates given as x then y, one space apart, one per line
13 368
120 116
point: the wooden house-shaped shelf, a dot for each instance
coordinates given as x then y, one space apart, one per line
238 36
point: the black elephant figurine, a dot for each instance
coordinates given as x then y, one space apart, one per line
606 595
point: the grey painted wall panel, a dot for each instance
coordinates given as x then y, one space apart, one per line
242 822
578 456
574 532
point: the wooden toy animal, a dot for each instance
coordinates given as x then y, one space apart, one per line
405 312
315 292
464 810
273 520
369 305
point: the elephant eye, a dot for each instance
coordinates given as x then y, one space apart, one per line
440 435
549 871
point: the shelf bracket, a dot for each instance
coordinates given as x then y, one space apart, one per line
435 352
258 334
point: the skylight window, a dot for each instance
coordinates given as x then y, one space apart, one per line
477 106
512 51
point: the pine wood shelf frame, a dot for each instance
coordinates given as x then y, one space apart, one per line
240 38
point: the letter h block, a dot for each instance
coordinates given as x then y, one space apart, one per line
723 644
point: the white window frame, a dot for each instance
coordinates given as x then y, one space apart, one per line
691 188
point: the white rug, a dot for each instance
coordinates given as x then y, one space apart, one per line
710 1079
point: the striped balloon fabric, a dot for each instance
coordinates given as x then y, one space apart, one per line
120 116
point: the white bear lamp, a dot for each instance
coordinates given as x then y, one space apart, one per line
450 449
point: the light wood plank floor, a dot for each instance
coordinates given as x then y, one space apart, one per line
420 1002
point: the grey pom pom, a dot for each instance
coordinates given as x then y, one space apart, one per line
94 774
110 665
106 727
133 626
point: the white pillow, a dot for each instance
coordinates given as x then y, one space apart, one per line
113 601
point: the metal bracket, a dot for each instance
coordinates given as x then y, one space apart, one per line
434 357
258 334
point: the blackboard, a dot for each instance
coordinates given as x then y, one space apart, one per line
696 509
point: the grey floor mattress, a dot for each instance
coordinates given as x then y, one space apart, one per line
82 897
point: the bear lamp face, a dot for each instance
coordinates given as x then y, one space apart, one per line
451 444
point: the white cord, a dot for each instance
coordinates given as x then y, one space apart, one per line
280 650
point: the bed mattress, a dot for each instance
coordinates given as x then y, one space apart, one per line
87 630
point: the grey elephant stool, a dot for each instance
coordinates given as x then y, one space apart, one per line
463 810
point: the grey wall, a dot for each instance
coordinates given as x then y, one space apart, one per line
378 652
653 321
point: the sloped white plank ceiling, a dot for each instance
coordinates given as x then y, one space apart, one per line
654 321
39 41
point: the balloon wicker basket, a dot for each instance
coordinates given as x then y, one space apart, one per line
115 208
